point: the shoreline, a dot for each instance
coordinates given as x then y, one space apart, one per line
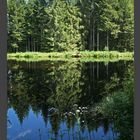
86 56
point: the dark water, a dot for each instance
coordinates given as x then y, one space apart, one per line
52 100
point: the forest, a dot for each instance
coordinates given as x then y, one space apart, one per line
70 69
70 25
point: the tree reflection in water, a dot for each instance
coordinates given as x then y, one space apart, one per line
63 94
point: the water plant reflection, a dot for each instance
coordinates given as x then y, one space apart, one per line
66 95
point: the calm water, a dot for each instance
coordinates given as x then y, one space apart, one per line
53 100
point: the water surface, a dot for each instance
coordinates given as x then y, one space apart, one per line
53 100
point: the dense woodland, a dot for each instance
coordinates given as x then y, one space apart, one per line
70 25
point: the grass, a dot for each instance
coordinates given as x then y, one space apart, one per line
72 56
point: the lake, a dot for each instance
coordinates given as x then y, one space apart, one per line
53 100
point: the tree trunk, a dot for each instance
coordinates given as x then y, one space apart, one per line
107 41
97 70
93 71
16 50
90 77
41 40
26 47
34 45
90 41
93 36
26 44
107 70
29 65
98 35
29 44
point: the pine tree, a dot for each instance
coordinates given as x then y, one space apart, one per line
16 25
64 27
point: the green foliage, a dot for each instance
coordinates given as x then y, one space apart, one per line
69 74
63 29
69 25
119 107
108 17
111 86
126 21
16 24
72 56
